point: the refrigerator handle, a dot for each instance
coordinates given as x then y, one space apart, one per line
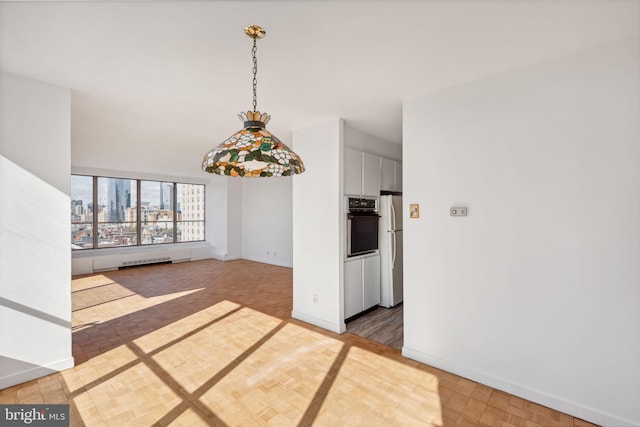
393 249
393 215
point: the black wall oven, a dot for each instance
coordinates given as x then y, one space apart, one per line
362 226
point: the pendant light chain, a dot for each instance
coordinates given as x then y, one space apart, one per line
255 72
253 151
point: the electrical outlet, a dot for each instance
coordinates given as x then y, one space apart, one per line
315 298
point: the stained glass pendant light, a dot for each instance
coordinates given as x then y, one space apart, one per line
253 151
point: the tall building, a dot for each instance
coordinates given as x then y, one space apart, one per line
75 203
191 224
166 195
103 215
130 214
118 198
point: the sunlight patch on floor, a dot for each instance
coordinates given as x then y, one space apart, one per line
108 363
277 382
99 299
185 326
90 282
202 355
408 395
117 398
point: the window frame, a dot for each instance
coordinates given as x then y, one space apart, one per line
138 223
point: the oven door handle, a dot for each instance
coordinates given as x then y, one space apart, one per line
361 215
348 236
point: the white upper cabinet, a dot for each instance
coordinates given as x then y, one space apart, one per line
352 171
391 175
388 175
398 176
366 174
370 174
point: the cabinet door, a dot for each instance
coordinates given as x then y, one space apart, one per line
352 288
371 281
352 171
370 174
398 176
388 178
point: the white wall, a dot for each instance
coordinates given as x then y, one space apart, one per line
318 223
266 220
371 144
35 299
234 218
217 213
537 291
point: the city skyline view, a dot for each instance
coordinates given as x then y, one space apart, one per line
116 214
82 189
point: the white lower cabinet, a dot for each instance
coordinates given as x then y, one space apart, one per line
361 284
352 287
371 281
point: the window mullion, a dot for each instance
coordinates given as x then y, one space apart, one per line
138 214
175 212
95 212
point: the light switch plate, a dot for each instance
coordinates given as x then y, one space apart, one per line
458 211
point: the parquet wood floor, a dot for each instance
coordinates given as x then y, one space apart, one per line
212 343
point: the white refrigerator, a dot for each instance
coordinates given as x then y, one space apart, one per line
390 250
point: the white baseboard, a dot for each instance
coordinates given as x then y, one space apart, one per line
269 261
225 256
537 396
232 257
35 372
333 327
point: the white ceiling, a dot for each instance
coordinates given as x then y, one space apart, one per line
172 76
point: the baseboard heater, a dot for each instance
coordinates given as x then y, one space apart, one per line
146 261
117 261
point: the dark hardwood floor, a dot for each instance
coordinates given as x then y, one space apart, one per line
382 325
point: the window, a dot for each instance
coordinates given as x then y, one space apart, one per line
132 212
81 212
158 212
191 215
117 212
